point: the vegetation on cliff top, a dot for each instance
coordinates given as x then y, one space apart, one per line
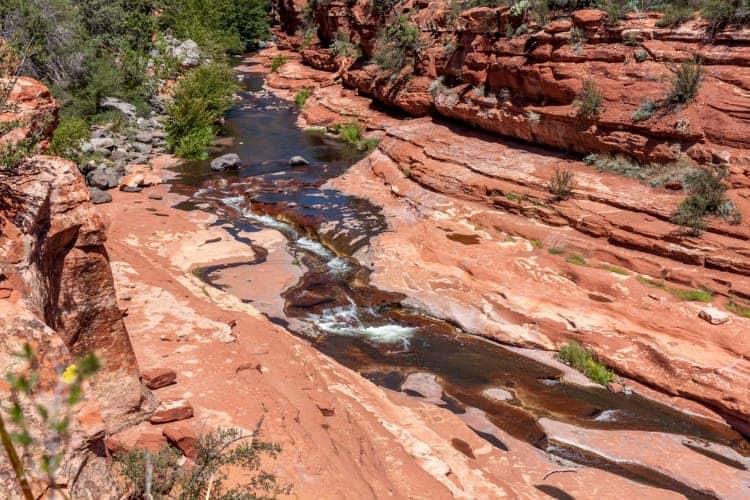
86 50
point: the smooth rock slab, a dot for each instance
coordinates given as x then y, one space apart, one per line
423 384
223 162
156 378
668 457
497 394
171 411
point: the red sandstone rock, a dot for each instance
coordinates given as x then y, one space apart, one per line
125 442
170 411
713 315
156 378
183 436
588 18
558 26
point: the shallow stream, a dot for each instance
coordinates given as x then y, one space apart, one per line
368 329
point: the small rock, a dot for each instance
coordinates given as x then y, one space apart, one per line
497 394
558 26
224 162
142 148
297 160
98 196
155 196
102 143
118 154
156 378
170 411
713 315
615 388
103 177
326 411
131 189
144 137
183 436
151 441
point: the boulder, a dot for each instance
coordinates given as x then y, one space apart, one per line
142 148
98 196
182 435
156 378
187 53
123 107
224 162
497 394
144 137
297 160
171 411
102 143
103 177
124 442
713 315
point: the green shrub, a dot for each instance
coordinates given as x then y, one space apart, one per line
721 13
641 55
706 189
301 97
351 133
556 251
644 111
615 10
68 136
675 14
217 452
277 62
536 243
342 46
199 100
396 43
561 184
686 83
589 102
580 358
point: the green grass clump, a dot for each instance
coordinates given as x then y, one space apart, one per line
689 294
686 83
301 97
577 259
674 15
537 243
614 269
556 251
644 111
351 133
277 62
589 102
738 309
580 358
510 195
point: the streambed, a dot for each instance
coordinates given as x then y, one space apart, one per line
370 330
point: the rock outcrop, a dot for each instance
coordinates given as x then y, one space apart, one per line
56 286
525 86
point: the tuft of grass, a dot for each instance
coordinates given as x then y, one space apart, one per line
686 83
737 308
561 184
510 195
644 111
301 97
589 102
614 269
537 243
687 294
277 62
582 359
556 251
706 189
577 259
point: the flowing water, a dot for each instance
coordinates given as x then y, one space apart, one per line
368 329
